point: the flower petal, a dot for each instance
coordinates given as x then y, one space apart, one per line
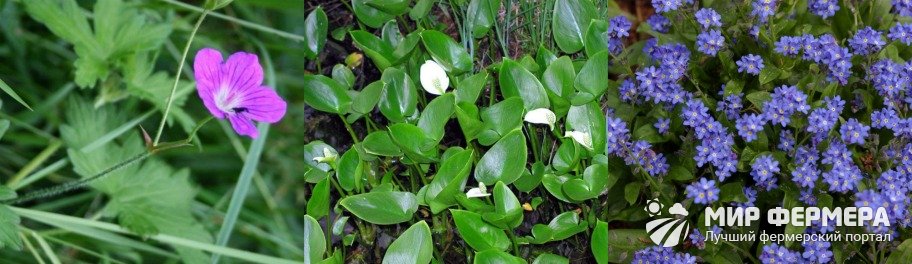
433 78
243 72
243 126
263 104
207 69
542 116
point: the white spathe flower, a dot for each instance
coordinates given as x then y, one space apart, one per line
582 138
434 78
542 116
328 156
480 191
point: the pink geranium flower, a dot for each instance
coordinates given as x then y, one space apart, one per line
234 90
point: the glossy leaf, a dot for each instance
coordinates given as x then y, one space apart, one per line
368 98
416 145
492 256
412 246
570 22
548 258
379 143
392 7
596 179
479 234
369 15
343 75
318 204
452 56
436 115
599 242
596 38
399 98
350 170
382 208
470 88
315 29
501 118
325 94
376 49
316 171
593 77
561 227
481 15
516 81
314 240
508 212
450 180
421 9
590 119
505 161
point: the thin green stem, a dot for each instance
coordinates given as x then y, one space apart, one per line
348 127
180 67
241 22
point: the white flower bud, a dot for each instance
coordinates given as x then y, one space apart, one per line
541 116
480 191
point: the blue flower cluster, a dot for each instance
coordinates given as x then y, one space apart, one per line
751 64
715 141
710 40
703 191
618 31
823 8
633 152
902 7
764 170
763 9
658 254
867 41
774 253
658 23
891 80
659 84
901 32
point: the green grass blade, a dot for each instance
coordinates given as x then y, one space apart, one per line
65 221
46 248
9 90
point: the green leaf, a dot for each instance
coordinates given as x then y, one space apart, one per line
548 258
368 98
477 233
516 81
421 9
480 16
370 16
732 192
414 143
9 229
376 49
596 39
452 56
508 212
553 184
768 74
902 253
392 7
590 119
758 98
561 227
436 115
6 193
316 171
343 75
502 118
379 143
350 170
596 179
412 246
318 204
570 22
399 99
559 77
593 77
623 243
325 94
382 208
314 240
315 29
567 157
450 180
632 191
12 93
505 161
599 242
493 256
470 88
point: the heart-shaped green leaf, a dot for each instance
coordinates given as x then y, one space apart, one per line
452 56
412 246
505 161
480 15
508 212
350 170
367 99
414 143
517 81
450 180
382 208
477 233
593 77
567 157
325 94
379 143
436 115
570 22
399 98
501 118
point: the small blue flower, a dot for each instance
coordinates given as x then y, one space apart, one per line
773 253
854 132
763 9
662 6
751 196
788 45
806 174
707 17
823 8
751 64
817 251
662 125
710 42
703 191
658 23
867 41
749 126
764 172
901 32
659 254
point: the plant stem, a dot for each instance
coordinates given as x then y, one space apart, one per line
351 132
180 67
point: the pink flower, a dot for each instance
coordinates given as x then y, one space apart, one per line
234 90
